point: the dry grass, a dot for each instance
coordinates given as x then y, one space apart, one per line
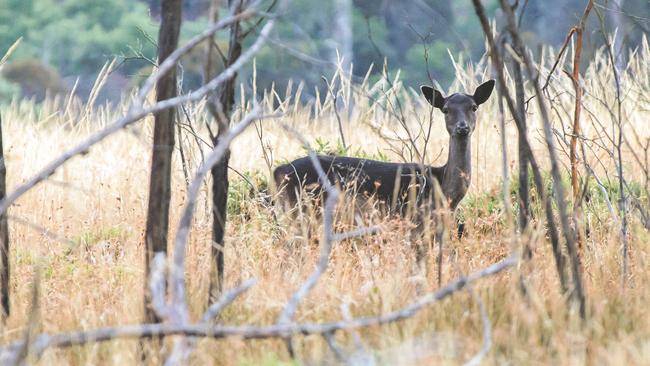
98 202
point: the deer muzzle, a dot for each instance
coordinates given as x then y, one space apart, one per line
462 129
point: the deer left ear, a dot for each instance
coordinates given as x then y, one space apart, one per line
482 93
433 96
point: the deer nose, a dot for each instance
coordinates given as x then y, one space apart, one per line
462 129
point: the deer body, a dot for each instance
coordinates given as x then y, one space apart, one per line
397 184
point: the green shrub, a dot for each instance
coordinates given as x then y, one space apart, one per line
34 78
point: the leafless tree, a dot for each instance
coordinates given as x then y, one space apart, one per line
524 190
221 106
163 147
567 230
517 44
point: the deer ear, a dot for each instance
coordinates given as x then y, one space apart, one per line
482 93
433 96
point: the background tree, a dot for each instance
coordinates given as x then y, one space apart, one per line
343 32
163 147
76 37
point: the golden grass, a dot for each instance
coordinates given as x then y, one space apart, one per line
99 202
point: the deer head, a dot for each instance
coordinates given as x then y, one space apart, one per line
459 108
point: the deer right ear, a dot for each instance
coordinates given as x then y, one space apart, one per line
433 96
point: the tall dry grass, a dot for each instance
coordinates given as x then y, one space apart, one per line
91 258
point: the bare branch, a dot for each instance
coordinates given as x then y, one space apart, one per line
336 110
328 236
555 172
42 230
360 356
362 231
523 140
178 311
135 114
177 272
226 299
63 340
173 58
157 285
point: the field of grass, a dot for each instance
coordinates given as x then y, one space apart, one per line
81 233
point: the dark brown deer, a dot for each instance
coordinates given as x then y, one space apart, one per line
398 184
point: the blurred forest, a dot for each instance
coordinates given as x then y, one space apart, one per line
65 43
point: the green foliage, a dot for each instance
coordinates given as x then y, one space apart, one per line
8 90
324 147
77 36
484 204
245 189
367 53
435 62
89 238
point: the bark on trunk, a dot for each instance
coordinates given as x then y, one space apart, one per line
163 147
524 199
4 237
221 109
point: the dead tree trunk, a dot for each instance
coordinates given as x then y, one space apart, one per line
575 76
4 236
163 147
567 230
221 107
497 60
524 197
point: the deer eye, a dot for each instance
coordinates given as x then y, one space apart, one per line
474 108
445 110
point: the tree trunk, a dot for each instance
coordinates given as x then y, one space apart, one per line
163 147
4 236
524 199
221 109
617 20
343 32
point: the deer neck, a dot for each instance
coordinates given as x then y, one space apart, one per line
458 171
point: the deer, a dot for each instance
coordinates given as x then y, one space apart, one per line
401 185
398 184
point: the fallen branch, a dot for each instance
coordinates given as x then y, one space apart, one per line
42 342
